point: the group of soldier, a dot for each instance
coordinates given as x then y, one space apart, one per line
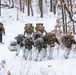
37 44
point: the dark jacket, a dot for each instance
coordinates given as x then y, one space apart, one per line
2 30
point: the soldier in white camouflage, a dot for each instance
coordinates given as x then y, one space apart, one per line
68 42
50 40
20 44
28 43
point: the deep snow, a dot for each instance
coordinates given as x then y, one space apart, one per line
19 66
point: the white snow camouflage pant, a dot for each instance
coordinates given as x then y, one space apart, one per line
50 51
67 52
28 54
20 48
38 56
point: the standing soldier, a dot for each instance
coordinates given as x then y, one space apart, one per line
40 27
28 29
2 30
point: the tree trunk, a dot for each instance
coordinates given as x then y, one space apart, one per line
51 6
54 9
20 5
28 7
26 3
41 8
68 3
12 4
39 5
63 16
23 5
54 6
73 28
31 8
17 13
0 7
71 7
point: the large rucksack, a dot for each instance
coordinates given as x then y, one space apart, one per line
19 38
37 35
49 36
29 29
40 27
39 43
28 42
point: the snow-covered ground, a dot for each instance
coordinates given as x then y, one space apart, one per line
19 66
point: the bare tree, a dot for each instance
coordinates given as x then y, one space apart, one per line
17 13
71 6
51 6
23 5
70 16
0 7
67 13
31 8
41 7
20 2
63 16
12 4
28 7
54 6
